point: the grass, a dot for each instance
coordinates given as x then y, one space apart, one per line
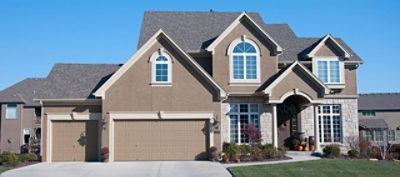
324 167
3 168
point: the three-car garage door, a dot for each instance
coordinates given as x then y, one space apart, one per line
74 140
160 139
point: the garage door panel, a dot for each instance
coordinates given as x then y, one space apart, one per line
74 140
159 140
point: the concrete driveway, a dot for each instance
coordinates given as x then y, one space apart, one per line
121 169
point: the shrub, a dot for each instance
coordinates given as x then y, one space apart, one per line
270 151
353 153
257 154
10 158
332 151
22 158
213 154
281 152
253 133
245 149
104 150
374 153
31 157
230 150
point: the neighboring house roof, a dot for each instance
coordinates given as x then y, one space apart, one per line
195 31
372 123
23 92
379 101
77 81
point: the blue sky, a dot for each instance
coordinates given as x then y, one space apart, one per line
36 34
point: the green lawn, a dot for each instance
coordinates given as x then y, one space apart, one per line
324 167
3 168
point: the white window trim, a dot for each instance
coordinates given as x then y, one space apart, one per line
23 134
341 72
257 54
16 112
321 123
368 113
238 114
394 135
153 61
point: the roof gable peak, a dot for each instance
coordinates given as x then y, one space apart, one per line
277 48
322 41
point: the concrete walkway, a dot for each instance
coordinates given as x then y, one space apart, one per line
296 156
121 169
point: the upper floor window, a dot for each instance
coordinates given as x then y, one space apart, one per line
161 68
11 111
244 61
368 113
328 70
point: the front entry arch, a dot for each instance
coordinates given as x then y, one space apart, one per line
289 119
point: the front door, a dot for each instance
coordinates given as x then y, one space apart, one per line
287 122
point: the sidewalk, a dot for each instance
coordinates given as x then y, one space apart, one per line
297 156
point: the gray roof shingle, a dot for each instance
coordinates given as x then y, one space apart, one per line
75 81
23 92
372 123
379 101
194 31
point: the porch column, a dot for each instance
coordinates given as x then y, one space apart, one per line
274 126
316 128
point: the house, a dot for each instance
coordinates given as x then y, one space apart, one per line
20 115
195 81
379 115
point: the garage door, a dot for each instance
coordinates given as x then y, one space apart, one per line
75 140
160 140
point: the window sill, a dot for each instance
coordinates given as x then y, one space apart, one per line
245 83
336 86
161 84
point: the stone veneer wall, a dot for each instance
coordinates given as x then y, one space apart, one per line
265 123
349 119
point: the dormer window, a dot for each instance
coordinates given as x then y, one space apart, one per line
161 68
329 70
244 61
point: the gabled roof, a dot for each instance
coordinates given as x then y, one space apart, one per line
277 48
322 42
159 34
288 70
373 123
379 101
197 30
76 81
23 92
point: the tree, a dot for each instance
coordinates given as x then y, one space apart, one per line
253 133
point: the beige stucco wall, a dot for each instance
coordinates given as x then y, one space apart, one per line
350 73
11 130
133 91
268 63
327 50
296 79
62 109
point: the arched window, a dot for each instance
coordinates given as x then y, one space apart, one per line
161 68
245 61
